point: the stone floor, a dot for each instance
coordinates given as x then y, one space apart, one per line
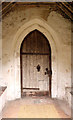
36 107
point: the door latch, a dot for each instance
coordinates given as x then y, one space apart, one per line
49 72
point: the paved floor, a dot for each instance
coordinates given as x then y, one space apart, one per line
36 107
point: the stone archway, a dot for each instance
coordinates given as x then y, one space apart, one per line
50 34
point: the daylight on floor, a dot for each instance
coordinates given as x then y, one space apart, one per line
35 60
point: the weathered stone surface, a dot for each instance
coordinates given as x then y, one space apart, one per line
15 24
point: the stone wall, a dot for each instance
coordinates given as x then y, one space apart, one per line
11 24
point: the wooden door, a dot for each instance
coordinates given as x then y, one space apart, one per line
35 64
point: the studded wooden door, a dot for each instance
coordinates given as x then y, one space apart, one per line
35 64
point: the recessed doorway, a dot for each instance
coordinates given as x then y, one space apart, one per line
35 57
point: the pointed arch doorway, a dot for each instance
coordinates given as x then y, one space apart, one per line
35 57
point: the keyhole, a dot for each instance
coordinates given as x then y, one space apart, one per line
38 68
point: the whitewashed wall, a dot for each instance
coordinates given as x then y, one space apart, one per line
61 27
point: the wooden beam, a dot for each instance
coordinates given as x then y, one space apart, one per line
6 6
69 8
65 10
34 53
8 9
31 88
35 93
34 3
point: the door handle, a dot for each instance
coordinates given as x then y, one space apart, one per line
49 72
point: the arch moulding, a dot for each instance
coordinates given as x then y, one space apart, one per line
50 34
